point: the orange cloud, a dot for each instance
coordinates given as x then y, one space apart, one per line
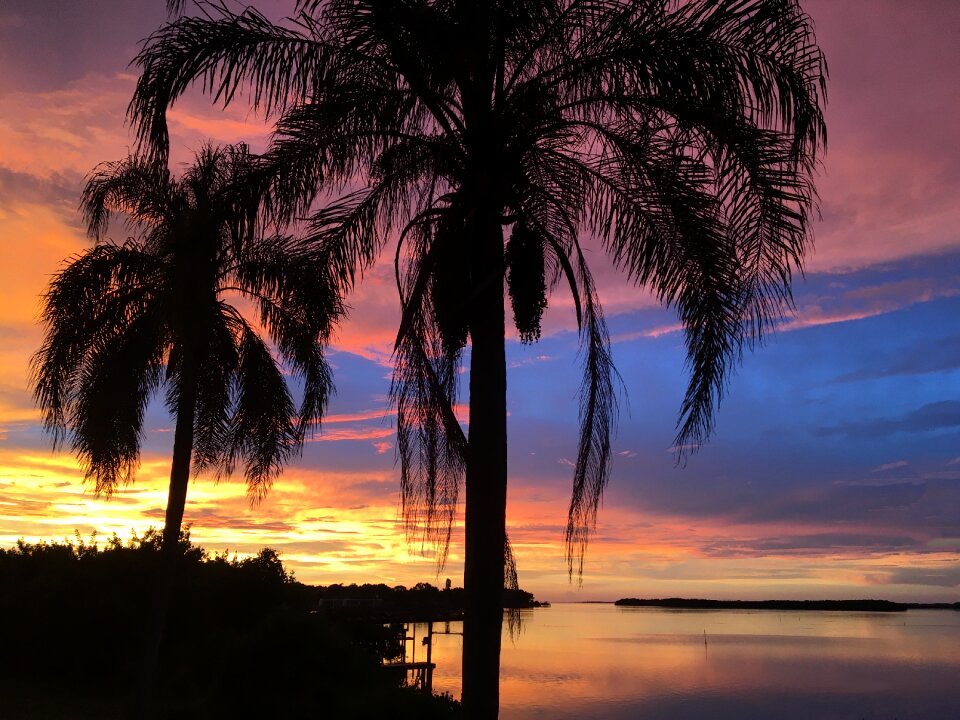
356 417
352 434
195 121
311 517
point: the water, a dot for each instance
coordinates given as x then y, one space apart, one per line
609 663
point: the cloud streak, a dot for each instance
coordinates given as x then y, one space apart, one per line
941 415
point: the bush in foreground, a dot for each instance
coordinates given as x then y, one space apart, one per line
242 640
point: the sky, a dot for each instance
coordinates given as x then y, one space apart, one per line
834 471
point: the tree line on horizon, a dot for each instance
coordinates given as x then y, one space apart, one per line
492 140
27 561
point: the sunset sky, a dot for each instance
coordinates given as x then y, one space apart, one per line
835 467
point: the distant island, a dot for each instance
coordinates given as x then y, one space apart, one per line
846 605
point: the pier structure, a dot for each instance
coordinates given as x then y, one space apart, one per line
418 673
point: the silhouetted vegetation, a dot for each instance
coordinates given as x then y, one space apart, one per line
422 601
493 138
242 640
159 311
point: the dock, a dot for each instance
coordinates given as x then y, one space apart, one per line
417 673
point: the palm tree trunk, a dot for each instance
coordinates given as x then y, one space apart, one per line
486 476
170 552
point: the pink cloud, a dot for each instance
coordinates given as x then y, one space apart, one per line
355 417
889 186
352 434
654 332
890 466
866 302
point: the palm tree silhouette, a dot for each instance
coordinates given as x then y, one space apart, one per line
124 321
494 138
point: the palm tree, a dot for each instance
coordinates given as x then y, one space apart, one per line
494 139
125 320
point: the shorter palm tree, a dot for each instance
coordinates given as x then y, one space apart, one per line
125 320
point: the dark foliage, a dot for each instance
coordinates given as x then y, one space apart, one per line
243 641
680 136
161 311
422 598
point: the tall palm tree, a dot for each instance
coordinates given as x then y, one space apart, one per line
125 320
494 138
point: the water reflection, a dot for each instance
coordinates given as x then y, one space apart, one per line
579 660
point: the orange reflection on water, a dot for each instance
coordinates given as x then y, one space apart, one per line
576 660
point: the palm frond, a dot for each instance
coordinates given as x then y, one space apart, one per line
349 234
107 395
598 412
107 417
299 304
431 444
226 52
682 135
175 7
92 300
124 320
262 433
214 393
139 190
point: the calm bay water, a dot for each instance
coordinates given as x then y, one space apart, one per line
600 661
